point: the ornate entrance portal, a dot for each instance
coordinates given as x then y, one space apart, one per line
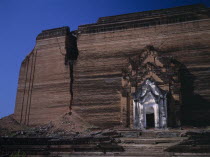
150 91
149 99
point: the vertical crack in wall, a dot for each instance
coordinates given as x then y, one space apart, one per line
71 56
71 68
29 65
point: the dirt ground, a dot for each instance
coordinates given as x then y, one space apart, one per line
65 124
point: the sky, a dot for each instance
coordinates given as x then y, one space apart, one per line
22 20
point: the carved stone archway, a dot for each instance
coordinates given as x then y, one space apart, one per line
143 70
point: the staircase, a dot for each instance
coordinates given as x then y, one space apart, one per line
137 143
133 143
197 145
120 143
148 143
58 147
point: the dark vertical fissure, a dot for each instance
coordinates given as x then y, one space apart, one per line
128 110
71 56
71 63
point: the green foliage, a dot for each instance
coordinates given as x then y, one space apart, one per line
18 154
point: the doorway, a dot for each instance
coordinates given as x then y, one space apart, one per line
128 111
150 120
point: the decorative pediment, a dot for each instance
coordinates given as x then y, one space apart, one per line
150 64
148 86
149 79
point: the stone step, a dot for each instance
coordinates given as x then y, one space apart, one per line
152 140
129 133
73 155
142 153
149 133
128 154
145 149
100 148
101 154
156 146
82 154
47 141
191 155
65 148
189 148
161 134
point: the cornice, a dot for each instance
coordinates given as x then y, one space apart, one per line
56 32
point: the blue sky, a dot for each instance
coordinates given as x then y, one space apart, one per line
22 20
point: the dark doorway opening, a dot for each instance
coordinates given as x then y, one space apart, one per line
150 120
128 111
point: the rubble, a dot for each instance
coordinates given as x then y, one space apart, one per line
65 125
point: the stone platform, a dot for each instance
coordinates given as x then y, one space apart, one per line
121 143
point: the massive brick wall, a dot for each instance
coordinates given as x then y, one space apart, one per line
104 49
43 87
102 56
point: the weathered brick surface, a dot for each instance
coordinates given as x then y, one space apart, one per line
44 68
102 56
98 69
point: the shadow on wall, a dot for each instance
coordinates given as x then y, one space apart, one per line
70 57
72 50
195 109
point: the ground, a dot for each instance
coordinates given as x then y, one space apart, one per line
66 124
69 135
